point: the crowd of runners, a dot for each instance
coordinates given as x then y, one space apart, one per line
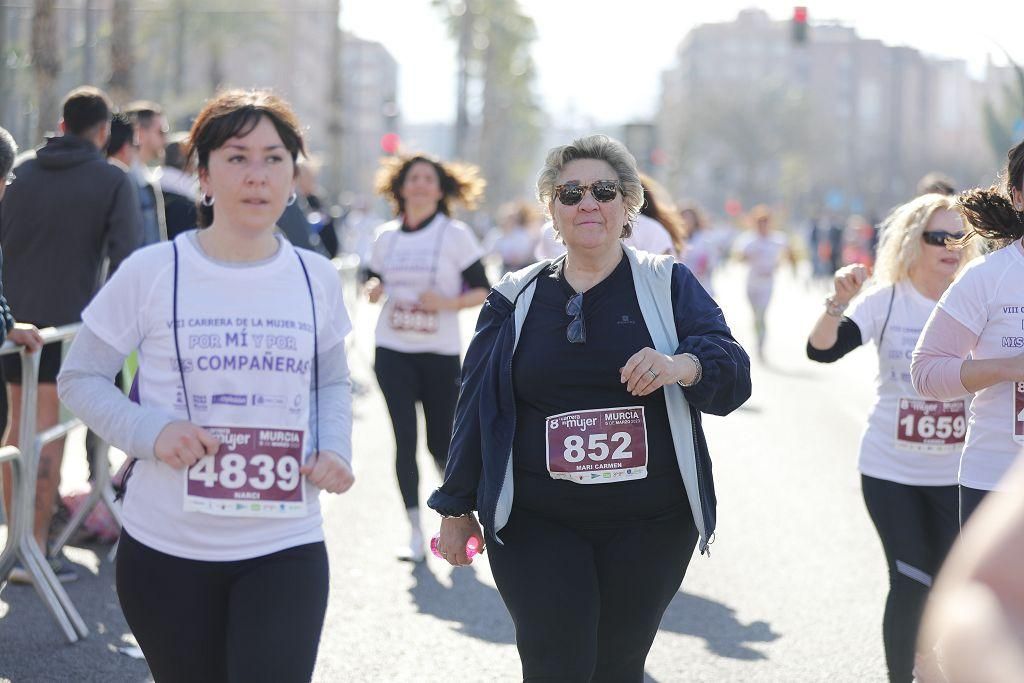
567 436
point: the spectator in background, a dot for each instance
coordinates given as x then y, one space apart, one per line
936 183
18 333
295 222
66 210
150 136
518 232
179 186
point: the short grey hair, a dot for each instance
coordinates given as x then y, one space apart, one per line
8 150
602 148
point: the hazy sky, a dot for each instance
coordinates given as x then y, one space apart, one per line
604 58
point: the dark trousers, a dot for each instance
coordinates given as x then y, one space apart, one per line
917 526
588 601
433 380
970 499
216 622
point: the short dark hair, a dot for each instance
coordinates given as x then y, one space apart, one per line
85 108
936 183
143 112
8 150
174 151
122 132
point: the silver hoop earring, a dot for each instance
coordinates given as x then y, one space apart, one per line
206 201
292 197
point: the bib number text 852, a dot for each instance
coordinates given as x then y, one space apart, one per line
597 447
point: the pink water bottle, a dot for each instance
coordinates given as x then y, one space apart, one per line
472 546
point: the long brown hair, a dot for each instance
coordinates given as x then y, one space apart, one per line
235 113
990 213
460 183
659 206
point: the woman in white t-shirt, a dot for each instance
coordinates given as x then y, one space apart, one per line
762 251
974 339
701 254
426 267
658 228
910 450
242 414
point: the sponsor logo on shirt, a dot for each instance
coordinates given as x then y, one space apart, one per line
1013 342
200 401
230 399
268 400
625 320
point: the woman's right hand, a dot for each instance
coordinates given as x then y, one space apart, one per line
181 444
374 289
848 282
455 532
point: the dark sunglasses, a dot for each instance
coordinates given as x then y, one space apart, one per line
576 332
572 194
937 238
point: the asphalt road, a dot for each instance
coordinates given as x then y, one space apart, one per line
793 590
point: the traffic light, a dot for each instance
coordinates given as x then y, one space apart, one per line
799 24
389 143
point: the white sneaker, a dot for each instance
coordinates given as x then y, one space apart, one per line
416 552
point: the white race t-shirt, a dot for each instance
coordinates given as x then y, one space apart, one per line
411 263
650 235
246 341
763 254
885 451
988 299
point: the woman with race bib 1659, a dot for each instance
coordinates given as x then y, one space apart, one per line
427 267
243 414
910 450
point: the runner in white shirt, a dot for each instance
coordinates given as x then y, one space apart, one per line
242 414
762 251
426 267
701 254
974 339
911 446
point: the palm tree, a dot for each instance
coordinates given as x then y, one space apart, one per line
45 64
122 52
1002 124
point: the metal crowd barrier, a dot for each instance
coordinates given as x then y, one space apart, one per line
21 543
347 266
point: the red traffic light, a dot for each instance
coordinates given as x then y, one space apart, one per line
800 15
389 143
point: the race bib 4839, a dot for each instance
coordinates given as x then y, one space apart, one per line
255 473
600 446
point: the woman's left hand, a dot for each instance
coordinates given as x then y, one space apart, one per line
648 370
326 470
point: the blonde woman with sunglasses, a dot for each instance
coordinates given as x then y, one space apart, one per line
910 450
577 433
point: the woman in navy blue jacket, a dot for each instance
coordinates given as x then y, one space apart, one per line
581 393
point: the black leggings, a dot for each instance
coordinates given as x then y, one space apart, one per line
248 620
587 602
970 499
432 379
917 525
